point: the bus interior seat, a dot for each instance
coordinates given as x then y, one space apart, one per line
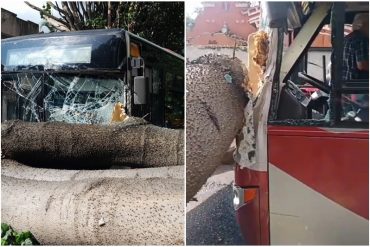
289 105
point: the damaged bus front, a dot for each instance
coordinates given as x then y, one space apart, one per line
78 77
302 174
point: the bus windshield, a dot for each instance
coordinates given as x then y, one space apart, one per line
61 97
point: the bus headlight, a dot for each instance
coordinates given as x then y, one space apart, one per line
243 196
238 197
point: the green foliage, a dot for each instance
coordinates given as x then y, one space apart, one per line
11 237
96 23
159 22
46 9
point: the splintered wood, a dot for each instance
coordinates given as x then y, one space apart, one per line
257 56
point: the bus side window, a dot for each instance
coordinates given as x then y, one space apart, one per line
157 115
168 98
300 98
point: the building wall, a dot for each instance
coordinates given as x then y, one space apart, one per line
235 15
12 26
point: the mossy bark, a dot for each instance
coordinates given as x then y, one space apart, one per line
80 146
215 104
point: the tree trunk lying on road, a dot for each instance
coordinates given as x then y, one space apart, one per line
215 104
103 210
56 144
12 168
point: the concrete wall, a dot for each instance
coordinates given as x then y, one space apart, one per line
218 14
12 26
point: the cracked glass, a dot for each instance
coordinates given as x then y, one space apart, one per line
57 97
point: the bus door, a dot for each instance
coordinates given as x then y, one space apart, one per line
318 150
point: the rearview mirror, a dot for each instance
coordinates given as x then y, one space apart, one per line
140 90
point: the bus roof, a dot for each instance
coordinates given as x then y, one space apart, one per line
118 32
115 31
296 13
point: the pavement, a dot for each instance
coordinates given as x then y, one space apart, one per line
210 220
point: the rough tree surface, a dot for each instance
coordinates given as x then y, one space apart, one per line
214 114
94 207
102 210
60 145
12 168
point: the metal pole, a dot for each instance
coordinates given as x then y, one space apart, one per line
337 27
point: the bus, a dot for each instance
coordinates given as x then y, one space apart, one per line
304 176
78 77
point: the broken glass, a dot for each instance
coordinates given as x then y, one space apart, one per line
59 97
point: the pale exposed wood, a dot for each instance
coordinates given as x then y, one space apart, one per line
96 211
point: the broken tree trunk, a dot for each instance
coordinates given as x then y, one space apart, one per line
12 168
96 211
215 104
61 145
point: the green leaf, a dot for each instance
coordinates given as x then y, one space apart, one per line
4 229
20 237
8 234
28 241
4 242
11 237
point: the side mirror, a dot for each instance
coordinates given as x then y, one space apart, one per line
140 90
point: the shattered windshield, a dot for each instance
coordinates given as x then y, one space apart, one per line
61 97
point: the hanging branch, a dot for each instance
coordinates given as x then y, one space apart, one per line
58 21
69 16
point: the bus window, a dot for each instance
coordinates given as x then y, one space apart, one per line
58 97
174 99
157 116
21 96
308 88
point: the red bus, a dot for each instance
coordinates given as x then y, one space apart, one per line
302 173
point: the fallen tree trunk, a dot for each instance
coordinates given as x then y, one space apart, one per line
56 144
214 115
12 168
96 211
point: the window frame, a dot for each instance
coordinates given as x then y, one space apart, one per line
337 16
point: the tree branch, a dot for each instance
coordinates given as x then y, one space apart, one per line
60 11
46 14
84 11
88 7
69 15
109 15
76 15
57 25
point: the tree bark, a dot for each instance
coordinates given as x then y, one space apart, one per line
12 168
96 211
214 115
109 15
79 146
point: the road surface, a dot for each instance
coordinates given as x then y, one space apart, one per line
211 219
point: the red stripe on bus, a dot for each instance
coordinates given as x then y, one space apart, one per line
254 219
333 164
